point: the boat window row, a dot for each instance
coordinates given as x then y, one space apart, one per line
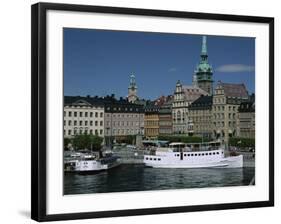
153 158
199 154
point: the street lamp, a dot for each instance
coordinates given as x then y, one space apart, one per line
249 127
108 136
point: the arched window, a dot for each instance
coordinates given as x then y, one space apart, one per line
178 115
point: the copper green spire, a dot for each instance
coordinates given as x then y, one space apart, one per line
133 84
204 54
204 46
203 72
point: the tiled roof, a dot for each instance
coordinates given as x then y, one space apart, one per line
110 103
203 102
234 90
246 107
94 101
192 93
163 99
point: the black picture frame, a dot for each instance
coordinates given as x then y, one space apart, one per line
39 123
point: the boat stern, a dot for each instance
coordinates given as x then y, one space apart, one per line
234 161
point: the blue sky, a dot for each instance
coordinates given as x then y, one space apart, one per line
99 62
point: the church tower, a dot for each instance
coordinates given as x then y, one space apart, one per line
132 89
203 74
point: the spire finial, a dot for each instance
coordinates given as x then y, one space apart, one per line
132 81
204 46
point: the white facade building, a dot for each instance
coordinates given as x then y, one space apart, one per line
83 115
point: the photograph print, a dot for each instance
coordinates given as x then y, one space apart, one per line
148 111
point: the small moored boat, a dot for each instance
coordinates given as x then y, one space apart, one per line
90 163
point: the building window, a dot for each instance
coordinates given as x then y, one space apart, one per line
96 123
69 132
69 122
91 123
96 132
101 132
75 114
101 114
86 122
91 131
86 114
101 123
80 123
64 113
81 114
96 114
69 113
64 122
75 123
91 114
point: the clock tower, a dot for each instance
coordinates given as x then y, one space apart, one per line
203 74
132 89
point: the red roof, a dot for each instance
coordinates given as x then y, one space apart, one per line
234 90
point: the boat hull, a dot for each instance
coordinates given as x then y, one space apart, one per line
210 159
97 170
94 166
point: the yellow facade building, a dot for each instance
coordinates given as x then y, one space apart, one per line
151 122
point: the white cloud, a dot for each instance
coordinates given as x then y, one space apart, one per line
172 69
235 68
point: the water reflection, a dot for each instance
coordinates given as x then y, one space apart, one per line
140 178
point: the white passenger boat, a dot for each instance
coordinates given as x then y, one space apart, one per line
90 163
180 155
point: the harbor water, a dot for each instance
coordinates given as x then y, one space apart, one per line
137 177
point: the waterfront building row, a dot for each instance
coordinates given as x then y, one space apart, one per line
102 116
197 109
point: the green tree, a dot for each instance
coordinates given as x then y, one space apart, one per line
183 138
242 142
96 142
129 139
87 141
66 142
